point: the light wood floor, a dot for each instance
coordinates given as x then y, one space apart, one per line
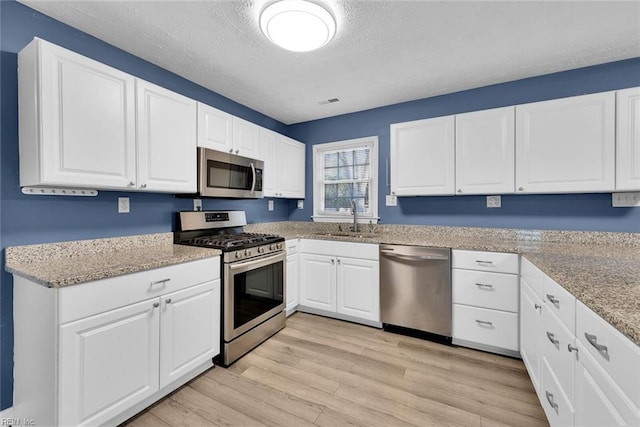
320 371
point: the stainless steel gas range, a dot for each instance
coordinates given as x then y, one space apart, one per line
253 274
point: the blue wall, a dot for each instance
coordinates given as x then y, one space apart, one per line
562 212
25 220
38 219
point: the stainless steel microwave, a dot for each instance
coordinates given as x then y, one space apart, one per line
223 174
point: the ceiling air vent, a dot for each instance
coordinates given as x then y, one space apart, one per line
329 101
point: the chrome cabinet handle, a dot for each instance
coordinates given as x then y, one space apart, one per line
168 301
237 151
333 261
571 348
459 190
231 150
552 338
553 404
160 282
484 286
537 306
338 260
602 349
555 301
479 261
483 322
156 304
131 184
143 186
520 189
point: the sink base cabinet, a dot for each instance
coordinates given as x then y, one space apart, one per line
103 368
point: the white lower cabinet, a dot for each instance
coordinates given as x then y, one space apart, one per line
101 351
584 371
340 279
293 274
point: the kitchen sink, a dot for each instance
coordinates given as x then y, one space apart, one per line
343 234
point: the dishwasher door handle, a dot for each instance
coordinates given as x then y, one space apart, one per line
392 254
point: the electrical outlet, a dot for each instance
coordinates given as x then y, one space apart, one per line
300 204
270 205
625 200
197 204
391 200
494 201
123 205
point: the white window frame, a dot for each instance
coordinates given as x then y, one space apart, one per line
318 180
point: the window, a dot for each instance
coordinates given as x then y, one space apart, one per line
345 173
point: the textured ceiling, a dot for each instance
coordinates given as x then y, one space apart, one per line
384 52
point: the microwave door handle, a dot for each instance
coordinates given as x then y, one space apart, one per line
253 173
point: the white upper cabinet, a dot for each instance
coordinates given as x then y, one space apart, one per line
628 140
166 140
77 120
422 157
566 145
246 138
485 145
284 165
215 128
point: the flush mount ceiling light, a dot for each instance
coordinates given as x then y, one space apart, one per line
297 25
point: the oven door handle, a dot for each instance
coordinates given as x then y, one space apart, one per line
253 174
251 264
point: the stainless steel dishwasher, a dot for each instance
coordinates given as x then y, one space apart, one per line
415 289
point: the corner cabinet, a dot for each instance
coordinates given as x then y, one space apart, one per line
340 279
422 157
99 352
566 145
284 165
628 140
87 125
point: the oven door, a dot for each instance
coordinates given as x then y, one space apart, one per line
254 291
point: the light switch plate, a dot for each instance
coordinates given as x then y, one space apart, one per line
391 200
123 205
300 204
270 205
197 204
494 201
625 200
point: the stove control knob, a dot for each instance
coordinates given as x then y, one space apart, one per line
271 247
247 252
238 254
279 246
260 250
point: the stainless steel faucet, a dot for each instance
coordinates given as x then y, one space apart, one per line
354 212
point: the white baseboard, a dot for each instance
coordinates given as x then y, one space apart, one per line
6 414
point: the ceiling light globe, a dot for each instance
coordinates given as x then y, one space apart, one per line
297 25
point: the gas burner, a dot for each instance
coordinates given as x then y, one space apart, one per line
232 241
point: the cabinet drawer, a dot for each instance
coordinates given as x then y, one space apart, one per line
618 355
488 290
560 302
555 339
556 405
486 261
292 246
484 326
79 301
533 276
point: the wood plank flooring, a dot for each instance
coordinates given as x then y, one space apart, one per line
326 372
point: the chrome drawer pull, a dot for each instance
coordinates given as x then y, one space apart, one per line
479 261
552 338
555 301
484 322
156 304
553 404
484 286
571 348
160 282
602 349
537 306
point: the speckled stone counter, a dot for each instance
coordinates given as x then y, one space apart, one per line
69 263
602 270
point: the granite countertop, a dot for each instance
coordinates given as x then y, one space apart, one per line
62 264
602 270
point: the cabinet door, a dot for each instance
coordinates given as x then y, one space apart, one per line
190 329
628 139
246 138
485 148
108 363
318 282
358 288
598 400
422 157
556 339
530 329
268 143
566 145
292 282
291 167
166 140
87 121
215 129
